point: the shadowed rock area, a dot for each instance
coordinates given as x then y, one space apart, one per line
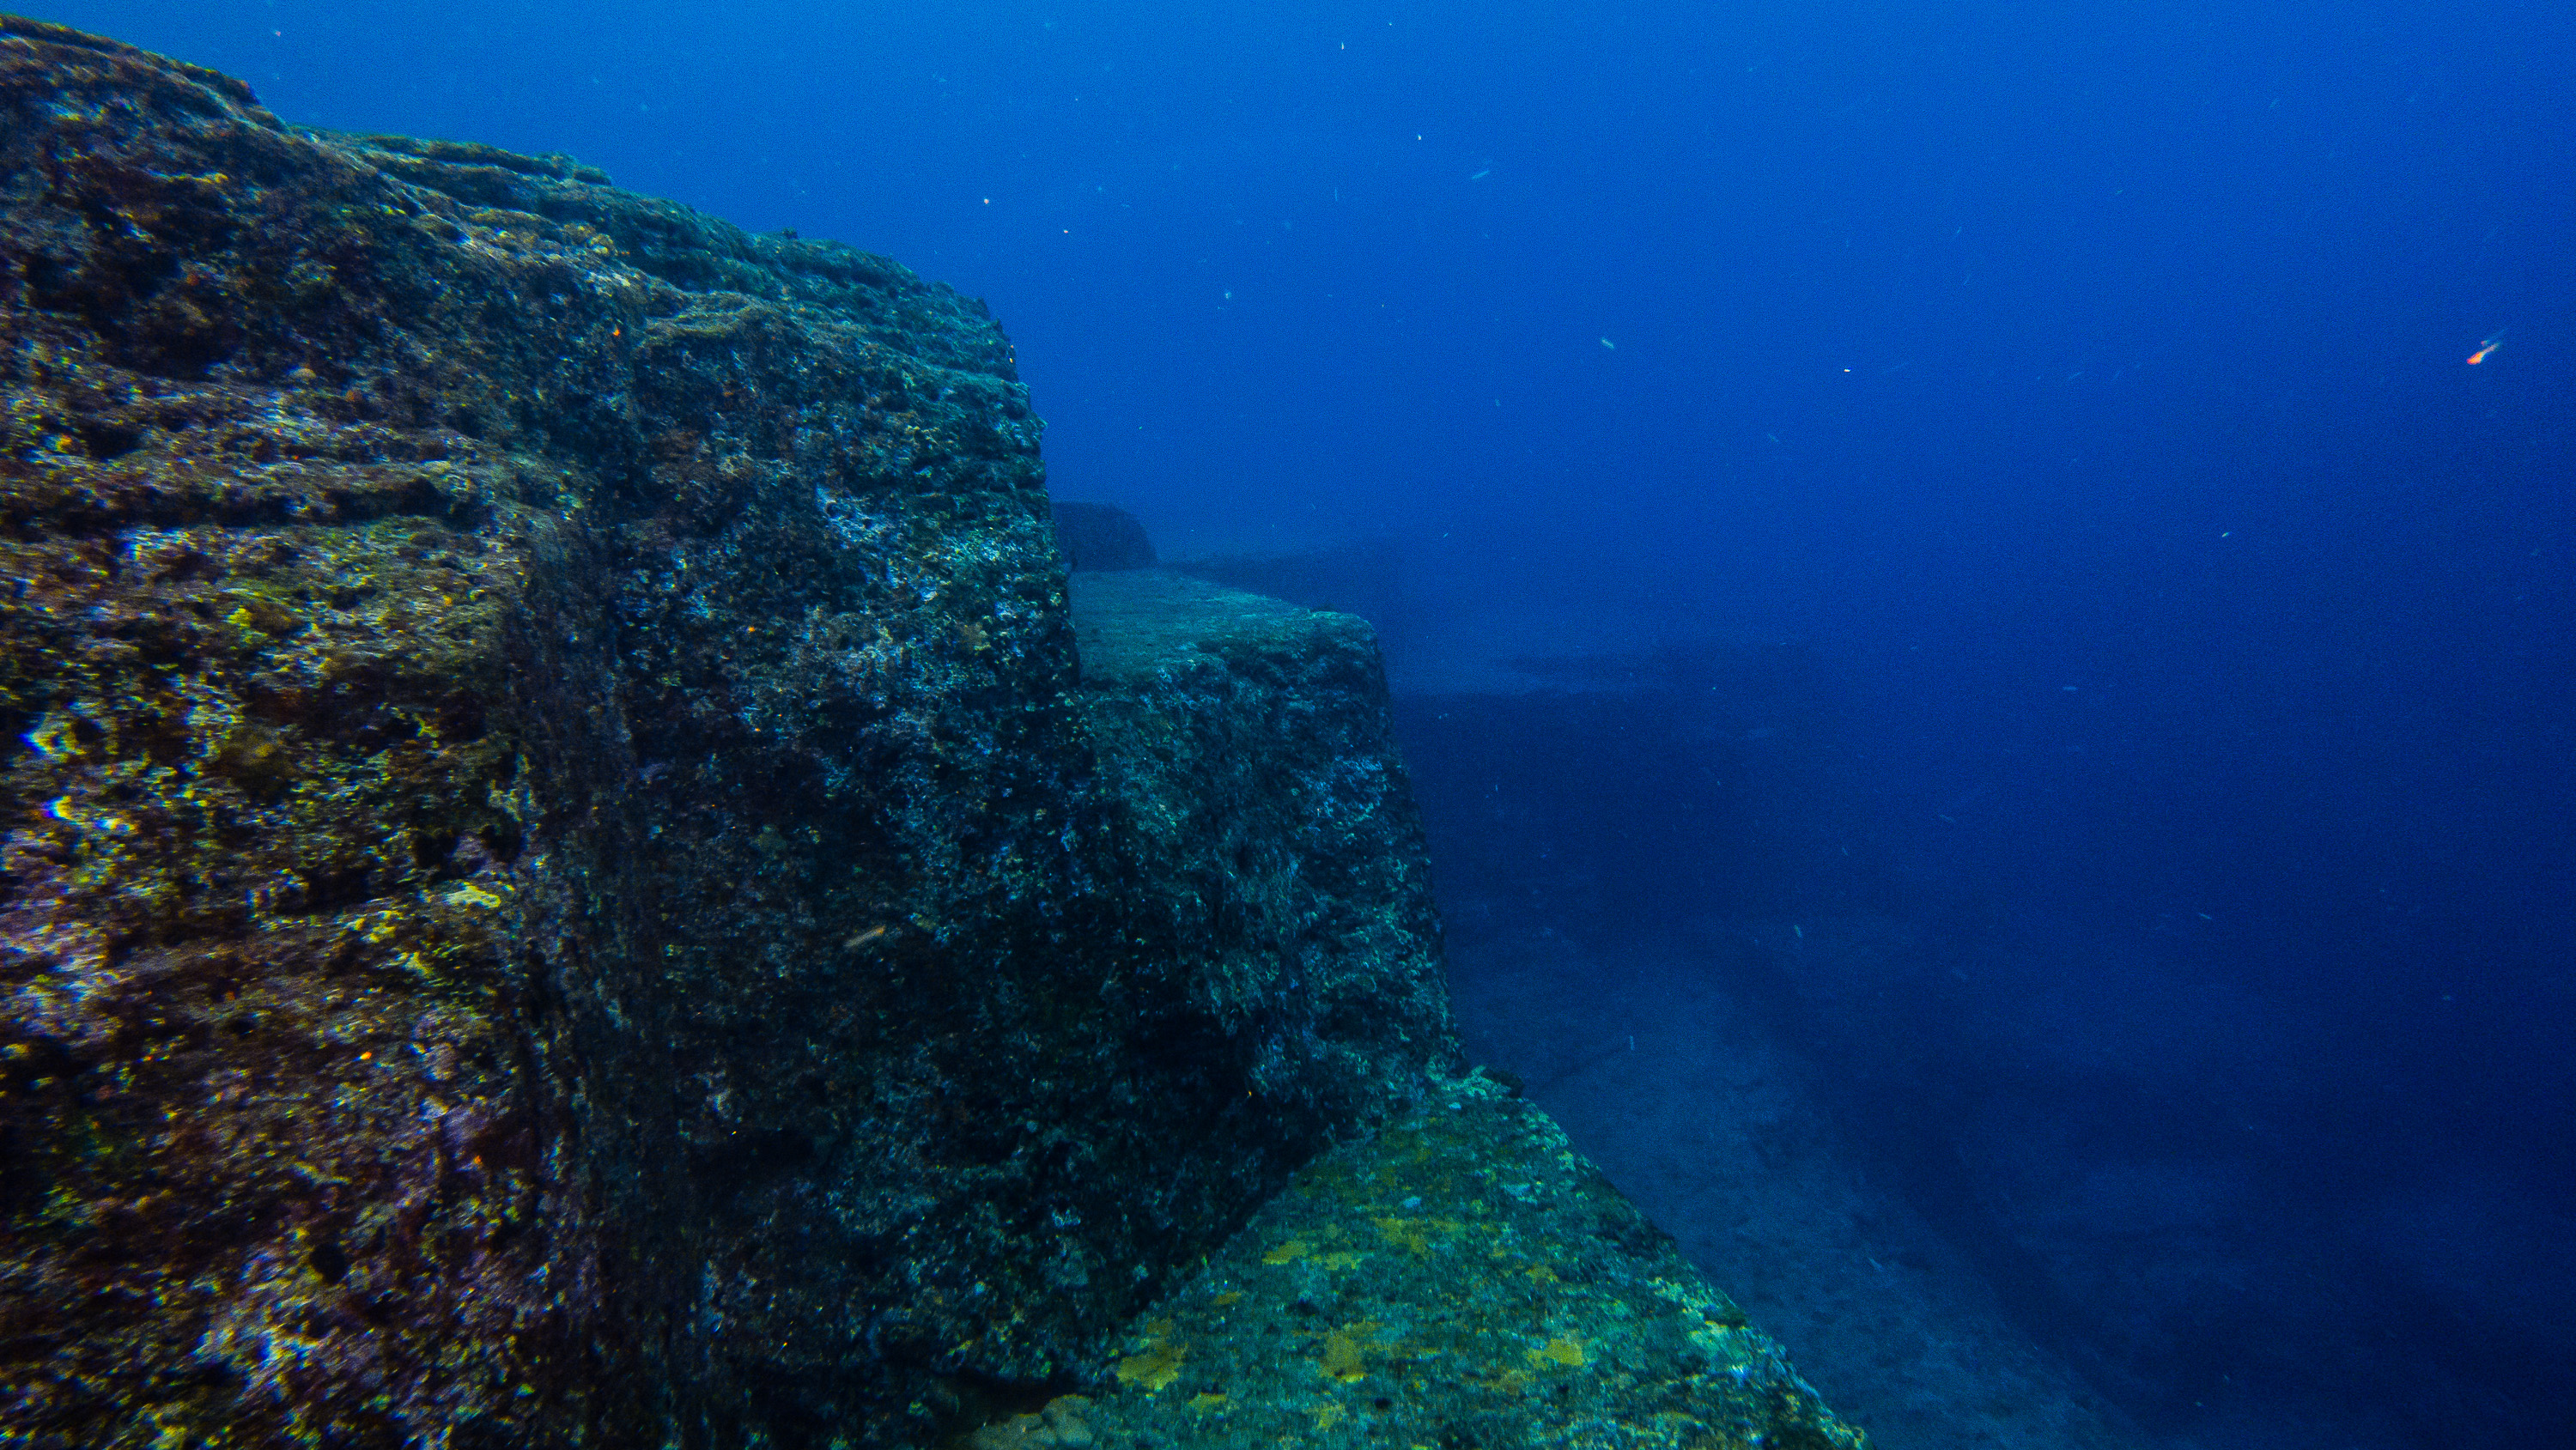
561 883
1099 536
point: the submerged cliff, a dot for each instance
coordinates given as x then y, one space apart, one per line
563 883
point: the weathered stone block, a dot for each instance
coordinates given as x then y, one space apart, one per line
556 884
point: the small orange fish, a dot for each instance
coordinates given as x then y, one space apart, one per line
2488 346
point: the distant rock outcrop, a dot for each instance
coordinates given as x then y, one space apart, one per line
1364 577
1098 536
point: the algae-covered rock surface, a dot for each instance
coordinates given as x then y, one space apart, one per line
1248 746
570 873
557 887
1462 1279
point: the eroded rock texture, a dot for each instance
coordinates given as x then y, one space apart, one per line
556 887
1464 1278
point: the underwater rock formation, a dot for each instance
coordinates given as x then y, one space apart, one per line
1095 536
1462 1278
560 883
1366 578
576 872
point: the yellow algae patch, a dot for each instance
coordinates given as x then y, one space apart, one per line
1328 1414
1409 1233
1540 1274
1230 1296
1207 1404
1158 1365
1341 1357
1155 1369
1344 1260
1293 1249
1561 1349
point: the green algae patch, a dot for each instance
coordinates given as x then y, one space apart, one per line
1510 1297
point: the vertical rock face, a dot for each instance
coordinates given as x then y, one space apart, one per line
556 886
1245 741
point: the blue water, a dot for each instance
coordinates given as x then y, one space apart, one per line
2014 474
